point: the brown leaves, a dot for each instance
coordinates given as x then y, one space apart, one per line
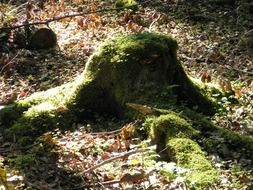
103 157
132 178
206 77
224 84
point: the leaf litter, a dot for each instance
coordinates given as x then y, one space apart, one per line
211 52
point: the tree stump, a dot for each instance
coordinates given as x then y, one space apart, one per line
141 68
137 68
42 38
35 38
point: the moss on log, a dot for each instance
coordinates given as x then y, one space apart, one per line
174 134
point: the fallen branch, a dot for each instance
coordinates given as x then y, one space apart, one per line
115 131
7 64
97 184
46 22
123 155
125 178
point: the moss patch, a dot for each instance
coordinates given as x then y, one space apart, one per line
188 154
213 138
176 133
169 125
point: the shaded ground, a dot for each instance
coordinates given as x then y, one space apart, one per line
208 37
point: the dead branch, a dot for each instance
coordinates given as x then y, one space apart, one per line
7 64
96 185
123 155
46 22
122 180
115 131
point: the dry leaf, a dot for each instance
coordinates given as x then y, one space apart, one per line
61 109
105 155
48 140
251 86
3 178
79 21
224 84
146 110
24 93
132 178
205 77
244 179
238 92
227 86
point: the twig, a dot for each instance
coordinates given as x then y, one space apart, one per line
236 69
46 22
97 184
106 132
126 154
20 6
151 25
7 64
113 132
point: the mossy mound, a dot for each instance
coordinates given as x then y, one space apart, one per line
137 68
127 68
140 68
175 134
214 138
188 154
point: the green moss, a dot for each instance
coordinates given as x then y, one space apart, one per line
127 68
212 137
55 96
127 3
37 120
24 161
176 133
10 113
119 71
188 154
170 125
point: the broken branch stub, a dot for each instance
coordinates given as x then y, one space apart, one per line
42 38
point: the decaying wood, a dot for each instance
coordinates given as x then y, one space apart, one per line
146 110
35 38
43 38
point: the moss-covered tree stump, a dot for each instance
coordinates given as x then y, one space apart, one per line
141 68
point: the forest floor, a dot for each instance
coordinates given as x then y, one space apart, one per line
209 37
